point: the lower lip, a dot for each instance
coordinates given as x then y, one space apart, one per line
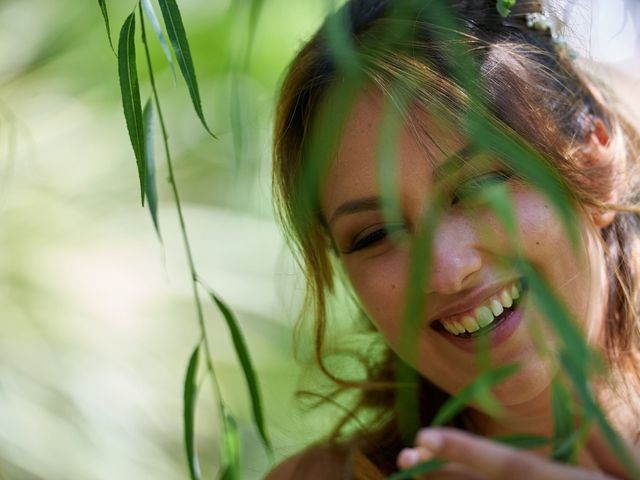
497 336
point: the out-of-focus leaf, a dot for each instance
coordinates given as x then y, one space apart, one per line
150 170
231 470
178 37
130 92
478 390
420 469
105 16
523 442
562 422
504 7
254 15
247 368
155 24
190 392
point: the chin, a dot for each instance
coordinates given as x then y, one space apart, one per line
528 385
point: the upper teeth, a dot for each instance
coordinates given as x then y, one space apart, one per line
484 314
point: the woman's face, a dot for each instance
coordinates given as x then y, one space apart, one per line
470 292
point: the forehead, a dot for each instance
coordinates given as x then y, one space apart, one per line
421 144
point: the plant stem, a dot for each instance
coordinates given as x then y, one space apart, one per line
183 229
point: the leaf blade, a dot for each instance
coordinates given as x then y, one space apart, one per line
247 367
130 92
151 192
190 392
178 37
105 16
155 24
231 470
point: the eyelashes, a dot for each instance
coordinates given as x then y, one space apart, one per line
466 194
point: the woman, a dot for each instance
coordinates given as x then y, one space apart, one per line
331 127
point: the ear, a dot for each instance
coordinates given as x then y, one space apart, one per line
597 147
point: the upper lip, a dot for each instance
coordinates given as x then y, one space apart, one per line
467 303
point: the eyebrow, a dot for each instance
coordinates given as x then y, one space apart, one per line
364 204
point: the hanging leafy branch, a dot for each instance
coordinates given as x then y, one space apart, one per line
140 123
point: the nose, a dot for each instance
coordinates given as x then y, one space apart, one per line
455 257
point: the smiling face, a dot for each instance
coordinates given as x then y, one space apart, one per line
469 292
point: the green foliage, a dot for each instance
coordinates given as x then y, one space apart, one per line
504 7
420 469
105 16
150 169
130 91
190 393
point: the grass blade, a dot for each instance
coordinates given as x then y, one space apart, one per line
155 24
130 91
479 390
190 392
247 367
105 15
231 471
523 442
421 468
150 171
178 38
563 436
504 7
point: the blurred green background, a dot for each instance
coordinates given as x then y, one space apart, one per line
96 316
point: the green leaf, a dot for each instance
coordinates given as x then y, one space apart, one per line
178 37
130 92
231 453
523 442
254 15
190 392
155 24
478 391
150 170
504 7
562 422
247 367
105 15
421 468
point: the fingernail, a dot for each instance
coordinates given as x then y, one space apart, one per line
429 439
409 457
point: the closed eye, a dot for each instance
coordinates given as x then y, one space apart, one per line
374 235
471 189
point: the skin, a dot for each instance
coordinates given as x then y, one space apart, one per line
463 264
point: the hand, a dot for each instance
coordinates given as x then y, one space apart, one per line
471 457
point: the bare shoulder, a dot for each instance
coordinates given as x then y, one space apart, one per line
318 462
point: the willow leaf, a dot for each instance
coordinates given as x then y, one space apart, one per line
150 170
105 16
254 15
130 92
231 471
504 7
190 392
178 37
155 24
247 367
480 387
420 469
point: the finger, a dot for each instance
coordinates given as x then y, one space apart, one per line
495 461
410 457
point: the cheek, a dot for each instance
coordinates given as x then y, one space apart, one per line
379 283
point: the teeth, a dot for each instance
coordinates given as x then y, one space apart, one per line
505 299
485 314
496 307
470 324
514 292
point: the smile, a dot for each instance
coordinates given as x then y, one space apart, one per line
485 317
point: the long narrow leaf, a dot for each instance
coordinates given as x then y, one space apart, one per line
178 37
564 437
473 392
130 92
420 469
523 442
231 471
150 170
155 24
247 367
105 16
190 392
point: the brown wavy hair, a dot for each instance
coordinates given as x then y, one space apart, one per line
534 90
